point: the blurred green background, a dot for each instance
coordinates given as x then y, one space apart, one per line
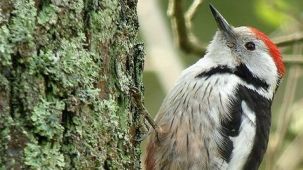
273 17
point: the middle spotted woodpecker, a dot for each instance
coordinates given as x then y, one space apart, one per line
218 115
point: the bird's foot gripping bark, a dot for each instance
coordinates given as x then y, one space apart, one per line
138 100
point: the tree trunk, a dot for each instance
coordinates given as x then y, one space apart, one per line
66 67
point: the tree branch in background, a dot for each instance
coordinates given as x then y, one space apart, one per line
189 16
182 31
293 59
288 39
191 12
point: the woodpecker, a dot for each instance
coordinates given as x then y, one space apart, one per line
218 115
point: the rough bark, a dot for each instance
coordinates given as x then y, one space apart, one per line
66 67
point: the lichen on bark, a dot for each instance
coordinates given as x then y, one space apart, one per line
66 68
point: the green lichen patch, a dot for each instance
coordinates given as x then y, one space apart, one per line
5 123
5 10
22 28
67 69
23 24
44 156
6 49
98 136
48 16
46 119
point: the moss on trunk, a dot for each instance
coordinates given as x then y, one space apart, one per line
66 67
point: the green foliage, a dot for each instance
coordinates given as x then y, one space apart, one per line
271 12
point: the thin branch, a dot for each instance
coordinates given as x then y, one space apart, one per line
288 40
181 29
192 10
293 59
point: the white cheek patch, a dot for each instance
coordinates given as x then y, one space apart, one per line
262 65
243 143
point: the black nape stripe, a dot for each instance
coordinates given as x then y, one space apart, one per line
245 74
241 71
222 69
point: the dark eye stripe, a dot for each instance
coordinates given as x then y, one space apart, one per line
250 46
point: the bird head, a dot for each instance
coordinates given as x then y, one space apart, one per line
234 46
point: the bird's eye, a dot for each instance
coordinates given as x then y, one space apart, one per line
250 46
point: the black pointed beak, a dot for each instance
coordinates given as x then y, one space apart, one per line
222 24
